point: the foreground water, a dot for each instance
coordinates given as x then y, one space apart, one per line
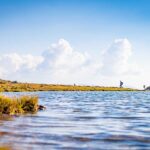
82 120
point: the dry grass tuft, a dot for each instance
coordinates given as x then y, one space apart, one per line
18 105
5 148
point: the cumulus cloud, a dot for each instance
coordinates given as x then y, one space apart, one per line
61 63
13 63
61 55
116 59
66 64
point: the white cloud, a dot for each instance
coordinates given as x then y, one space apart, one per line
14 63
66 64
60 63
116 59
61 55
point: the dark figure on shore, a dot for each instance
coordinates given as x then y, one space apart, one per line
121 84
144 87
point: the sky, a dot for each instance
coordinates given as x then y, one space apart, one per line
87 42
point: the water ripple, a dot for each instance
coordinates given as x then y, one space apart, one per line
82 120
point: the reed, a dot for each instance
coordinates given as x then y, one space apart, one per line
18 105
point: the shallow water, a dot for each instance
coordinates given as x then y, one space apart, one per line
82 120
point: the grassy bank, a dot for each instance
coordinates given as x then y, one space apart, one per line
8 86
18 105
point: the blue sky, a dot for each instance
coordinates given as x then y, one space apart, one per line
31 26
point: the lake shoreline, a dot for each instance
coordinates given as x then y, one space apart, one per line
14 86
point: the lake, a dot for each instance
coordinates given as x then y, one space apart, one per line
82 120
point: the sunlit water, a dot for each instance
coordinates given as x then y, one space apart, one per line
82 120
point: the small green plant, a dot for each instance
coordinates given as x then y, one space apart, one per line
18 105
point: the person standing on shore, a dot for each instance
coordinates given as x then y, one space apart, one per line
121 84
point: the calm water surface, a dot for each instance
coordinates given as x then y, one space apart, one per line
82 120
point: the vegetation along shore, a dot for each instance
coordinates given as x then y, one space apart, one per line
14 86
18 105
29 104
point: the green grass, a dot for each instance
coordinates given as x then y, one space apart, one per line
8 86
18 105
